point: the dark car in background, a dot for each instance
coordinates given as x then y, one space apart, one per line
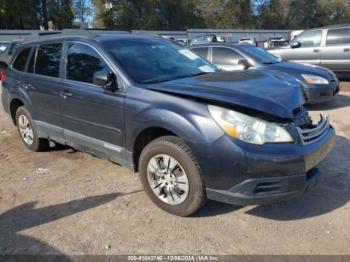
191 132
322 84
328 47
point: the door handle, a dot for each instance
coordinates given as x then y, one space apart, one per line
65 94
316 50
346 49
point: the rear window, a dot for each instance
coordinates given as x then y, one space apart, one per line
202 51
21 59
48 60
338 36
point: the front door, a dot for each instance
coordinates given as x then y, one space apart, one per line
92 116
309 51
226 59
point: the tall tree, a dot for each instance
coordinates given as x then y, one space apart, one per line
83 9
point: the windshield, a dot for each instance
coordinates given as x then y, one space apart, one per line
259 55
156 60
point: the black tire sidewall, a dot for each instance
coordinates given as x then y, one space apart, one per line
35 146
196 196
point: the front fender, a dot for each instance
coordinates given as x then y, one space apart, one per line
186 118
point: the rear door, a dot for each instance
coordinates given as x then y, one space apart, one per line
43 85
226 59
309 51
336 53
92 116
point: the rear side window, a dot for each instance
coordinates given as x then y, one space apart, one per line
21 60
338 37
83 62
202 51
48 60
225 56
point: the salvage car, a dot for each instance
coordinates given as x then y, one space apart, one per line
322 84
328 46
191 131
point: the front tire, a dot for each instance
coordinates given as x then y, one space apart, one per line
28 132
171 176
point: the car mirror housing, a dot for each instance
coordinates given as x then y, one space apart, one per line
106 80
295 44
245 63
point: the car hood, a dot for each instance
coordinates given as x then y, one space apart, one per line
298 69
268 91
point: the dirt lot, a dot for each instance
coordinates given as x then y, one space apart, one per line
66 202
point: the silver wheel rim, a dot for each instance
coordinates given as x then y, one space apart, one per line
25 129
167 179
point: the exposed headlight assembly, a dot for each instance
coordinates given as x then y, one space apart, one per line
315 80
249 129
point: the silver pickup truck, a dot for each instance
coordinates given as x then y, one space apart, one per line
327 46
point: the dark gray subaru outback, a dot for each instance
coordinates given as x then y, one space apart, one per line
192 132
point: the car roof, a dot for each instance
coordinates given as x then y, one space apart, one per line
330 27
219 44
66 35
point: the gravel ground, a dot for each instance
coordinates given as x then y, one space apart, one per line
67 202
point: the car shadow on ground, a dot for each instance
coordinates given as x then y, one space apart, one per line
213 208
26 216
332 192
340 101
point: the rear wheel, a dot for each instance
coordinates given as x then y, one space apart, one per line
171 176
27 131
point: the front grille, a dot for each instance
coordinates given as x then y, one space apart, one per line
310 135
302 118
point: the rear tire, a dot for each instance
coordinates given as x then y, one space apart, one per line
171 176
27 131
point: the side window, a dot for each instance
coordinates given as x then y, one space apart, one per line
30 68
83 62
202 51
21 60
48 59
310 38
338 37
225 56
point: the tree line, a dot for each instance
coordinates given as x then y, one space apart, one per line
173 15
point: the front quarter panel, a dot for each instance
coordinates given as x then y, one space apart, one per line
186 118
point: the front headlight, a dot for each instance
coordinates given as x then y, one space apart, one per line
315 80
249 129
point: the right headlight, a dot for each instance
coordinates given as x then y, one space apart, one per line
313 79
249 129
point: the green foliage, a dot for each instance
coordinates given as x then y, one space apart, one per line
175 14
28 14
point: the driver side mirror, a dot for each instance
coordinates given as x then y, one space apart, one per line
295 44
245 63
106 80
